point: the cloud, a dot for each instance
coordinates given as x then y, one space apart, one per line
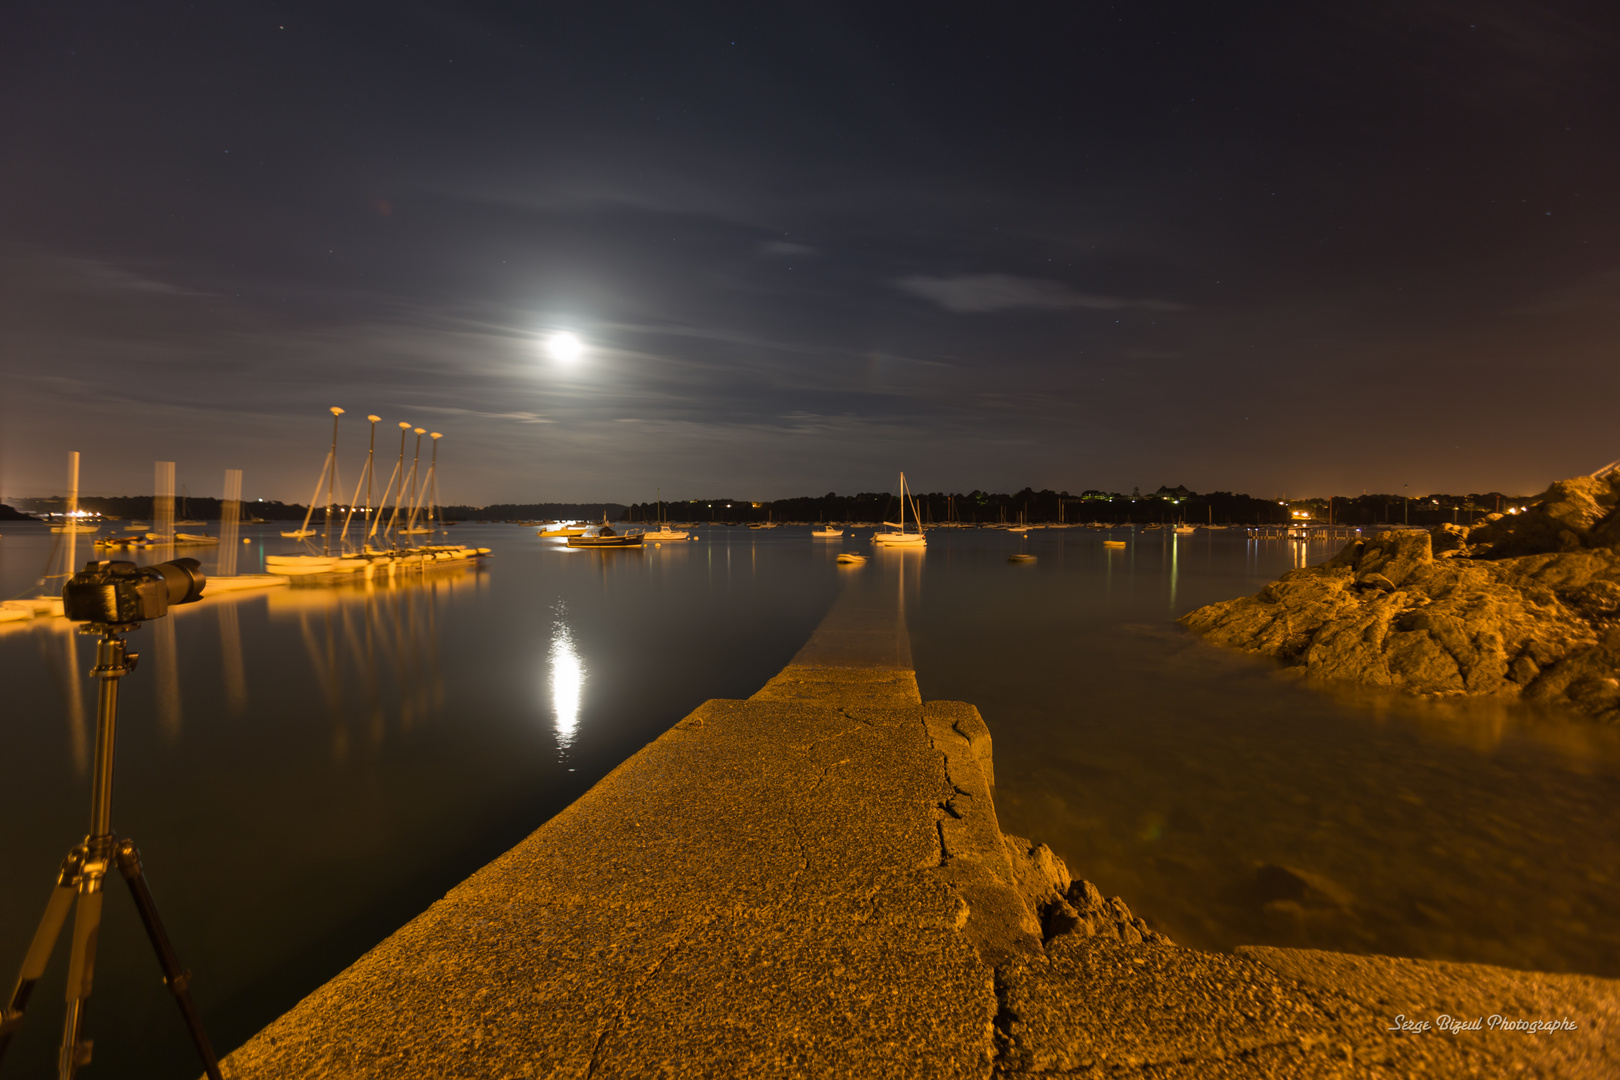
971 294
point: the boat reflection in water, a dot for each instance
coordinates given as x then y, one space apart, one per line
567 678
374 647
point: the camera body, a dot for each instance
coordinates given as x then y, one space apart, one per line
120 593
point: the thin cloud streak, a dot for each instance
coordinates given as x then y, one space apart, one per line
976 294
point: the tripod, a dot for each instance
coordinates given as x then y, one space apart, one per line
81 877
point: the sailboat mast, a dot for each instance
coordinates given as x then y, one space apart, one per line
416 460
399 470
371 471
331 477
431 488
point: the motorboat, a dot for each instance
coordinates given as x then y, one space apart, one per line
1021 557
900 537
664 532
604 536
826 533
849 558
1113 543
558 529
194 539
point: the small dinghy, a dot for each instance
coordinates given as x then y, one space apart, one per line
849 558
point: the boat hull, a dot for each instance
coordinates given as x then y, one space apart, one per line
604 541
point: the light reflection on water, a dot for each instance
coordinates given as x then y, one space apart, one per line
377 742
567 679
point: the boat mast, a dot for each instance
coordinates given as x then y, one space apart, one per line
331 480
430 490
371 471
364 481
416 461
399 471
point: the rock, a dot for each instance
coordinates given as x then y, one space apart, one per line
1569 515
1084 913
1039 874
1520 604
1287 883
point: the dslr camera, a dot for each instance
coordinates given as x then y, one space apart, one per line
120 593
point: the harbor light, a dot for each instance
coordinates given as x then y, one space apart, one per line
565 348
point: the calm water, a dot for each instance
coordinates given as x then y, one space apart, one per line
307 769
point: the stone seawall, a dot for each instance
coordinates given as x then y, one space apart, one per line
813 883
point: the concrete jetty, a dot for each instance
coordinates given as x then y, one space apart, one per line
813 883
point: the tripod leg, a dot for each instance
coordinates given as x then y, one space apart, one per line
174 977
40 949
82 967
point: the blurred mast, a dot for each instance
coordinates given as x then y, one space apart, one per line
331 482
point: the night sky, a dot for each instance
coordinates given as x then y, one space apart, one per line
1285 249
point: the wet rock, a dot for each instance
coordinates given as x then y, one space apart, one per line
1520 604
1039 875
1085 913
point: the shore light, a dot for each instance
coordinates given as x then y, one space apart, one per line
565 348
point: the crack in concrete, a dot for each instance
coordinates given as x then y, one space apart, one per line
635 991
1129 1065
798 834
1001 1025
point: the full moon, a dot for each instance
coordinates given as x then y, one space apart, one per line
564 347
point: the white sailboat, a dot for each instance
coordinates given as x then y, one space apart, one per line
664 532
900 537
292 565
429 490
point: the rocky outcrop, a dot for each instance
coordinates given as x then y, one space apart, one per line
1521 604
1066 907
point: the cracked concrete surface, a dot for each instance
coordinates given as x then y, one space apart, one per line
813 883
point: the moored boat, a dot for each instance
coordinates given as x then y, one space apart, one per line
900 537
604 536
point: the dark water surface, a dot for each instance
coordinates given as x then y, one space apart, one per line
307 769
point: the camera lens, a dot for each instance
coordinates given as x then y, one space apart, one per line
184 578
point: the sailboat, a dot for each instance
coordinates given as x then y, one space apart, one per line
328 467
664 532
430 488
900 537
185 499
